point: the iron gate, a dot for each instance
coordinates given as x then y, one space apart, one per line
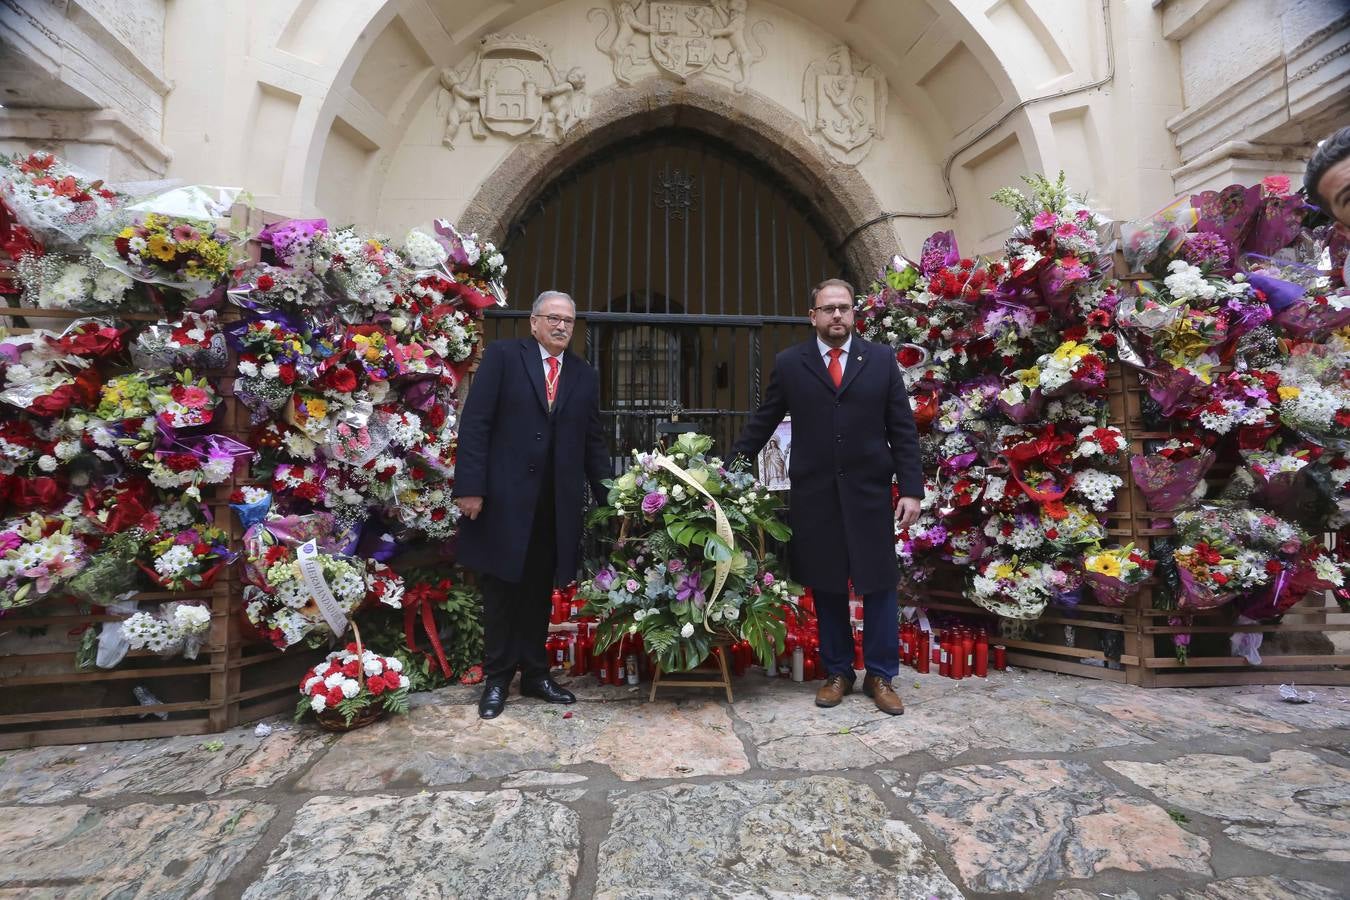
691 264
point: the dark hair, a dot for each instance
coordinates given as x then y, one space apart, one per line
832 282
1328 153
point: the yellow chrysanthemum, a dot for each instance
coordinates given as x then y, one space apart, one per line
1288 392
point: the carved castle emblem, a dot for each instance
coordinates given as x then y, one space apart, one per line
845 105
682 38
511 87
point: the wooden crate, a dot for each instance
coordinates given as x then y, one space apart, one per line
1210 659
45 699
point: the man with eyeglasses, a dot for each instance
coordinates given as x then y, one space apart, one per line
529 440
852 433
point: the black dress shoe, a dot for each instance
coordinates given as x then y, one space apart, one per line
548 690
493 701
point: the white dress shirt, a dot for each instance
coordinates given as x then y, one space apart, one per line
543 360
825 353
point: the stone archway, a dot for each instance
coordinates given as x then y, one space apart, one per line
841 197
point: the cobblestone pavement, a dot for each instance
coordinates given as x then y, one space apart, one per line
1025 784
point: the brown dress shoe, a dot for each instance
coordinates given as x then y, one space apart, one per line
881 692
832 692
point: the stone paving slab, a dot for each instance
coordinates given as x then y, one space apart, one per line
1330 707
808 837
768 797
166 766
1018 824
442 745
1266 887
139 850
1295 805
943 718
494 844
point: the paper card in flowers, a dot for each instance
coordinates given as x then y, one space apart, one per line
38 555
690 564
351 681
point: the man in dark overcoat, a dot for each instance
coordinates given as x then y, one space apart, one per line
852 433
529 440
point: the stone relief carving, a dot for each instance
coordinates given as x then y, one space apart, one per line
511 87
845 105
682 38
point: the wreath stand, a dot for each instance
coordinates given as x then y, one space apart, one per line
720 648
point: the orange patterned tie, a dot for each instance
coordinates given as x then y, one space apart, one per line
551 381
834 368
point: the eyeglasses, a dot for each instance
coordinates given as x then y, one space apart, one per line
555 321
834 309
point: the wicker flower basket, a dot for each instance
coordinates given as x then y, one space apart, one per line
332 720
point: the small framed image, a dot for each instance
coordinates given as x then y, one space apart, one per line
773 459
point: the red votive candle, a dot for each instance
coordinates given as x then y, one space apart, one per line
923 658
1000 657
982 655
945 657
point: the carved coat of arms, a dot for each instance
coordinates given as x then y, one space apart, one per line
682 38
845 105
511 87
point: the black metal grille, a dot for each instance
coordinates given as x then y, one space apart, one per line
691 264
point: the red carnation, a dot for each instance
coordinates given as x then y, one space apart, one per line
307 491
265 282
342 380
1220 578
352 669
181 462
1273 567
375 684
287 374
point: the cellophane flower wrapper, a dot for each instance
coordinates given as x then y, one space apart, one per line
253 512
1195 596
1110 591
54 200
1284 591
1176 390
1169 485
290 531
1314 318
157 349
1025 411
1229 213
1159 236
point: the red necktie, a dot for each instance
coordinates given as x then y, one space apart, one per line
551 380
836 371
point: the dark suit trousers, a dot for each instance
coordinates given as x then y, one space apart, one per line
881 626
515 614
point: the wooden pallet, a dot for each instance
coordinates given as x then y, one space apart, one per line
45 699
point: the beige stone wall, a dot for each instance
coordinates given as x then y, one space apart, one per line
335 106
86 79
